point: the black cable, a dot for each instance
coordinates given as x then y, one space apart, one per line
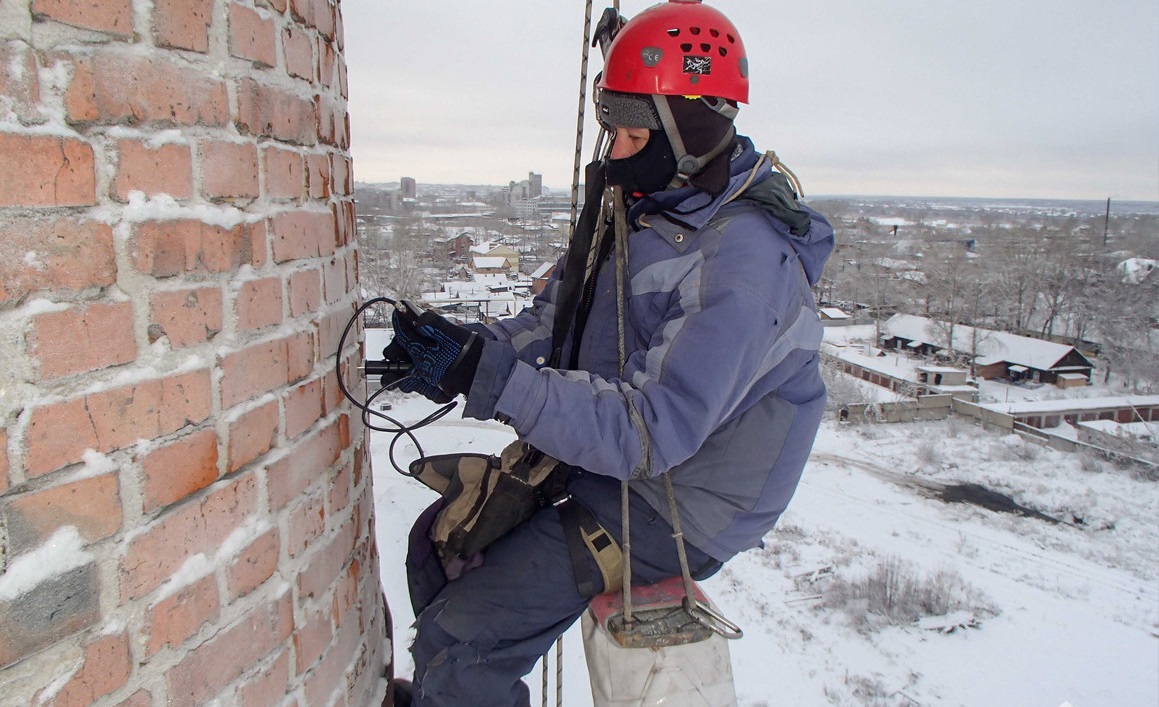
399 430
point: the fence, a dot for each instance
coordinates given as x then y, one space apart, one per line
923 408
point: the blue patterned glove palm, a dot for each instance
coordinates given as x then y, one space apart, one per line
444 355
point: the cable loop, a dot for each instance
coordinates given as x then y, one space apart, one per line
399 430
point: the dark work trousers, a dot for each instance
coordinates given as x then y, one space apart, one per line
478 635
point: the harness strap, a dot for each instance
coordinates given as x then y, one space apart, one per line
587 538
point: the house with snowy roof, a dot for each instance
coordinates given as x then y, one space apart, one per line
507 253
487 265
834 316
996 354
540 277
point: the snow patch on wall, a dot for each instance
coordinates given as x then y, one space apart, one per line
61 553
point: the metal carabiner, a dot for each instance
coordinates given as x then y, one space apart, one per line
711 619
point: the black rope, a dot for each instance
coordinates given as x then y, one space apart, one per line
399 430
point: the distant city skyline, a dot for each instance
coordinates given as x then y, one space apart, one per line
1037 99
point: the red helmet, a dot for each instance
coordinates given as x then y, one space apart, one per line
679 48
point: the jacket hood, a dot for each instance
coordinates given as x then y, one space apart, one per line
809 233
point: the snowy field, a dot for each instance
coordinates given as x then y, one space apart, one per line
1030 611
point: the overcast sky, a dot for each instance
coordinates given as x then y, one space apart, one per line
986 98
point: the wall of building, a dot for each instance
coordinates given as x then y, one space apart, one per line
186 509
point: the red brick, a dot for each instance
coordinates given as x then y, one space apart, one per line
58 254
332 396
346 221
180 469
185 531
187 317
303 11
54 171
303 234
251 36
183 24
59 433
269 685
311 639
80 98
334 285
82 339
111 16
343 174
361 463
210 667
251 371
330 328
92 506
168 248
346 592
305 524
229 170
119 87
269 112
252 435
254 564
177 618
106 667
285 176
4 483
299 357
258 238
259 304
303 464
19 82
326 564
328 65
299 48
303 407
165 169
304 291
336 667
339 29
324 18
318 175
340 489
328 117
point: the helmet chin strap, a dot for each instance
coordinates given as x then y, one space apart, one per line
686 164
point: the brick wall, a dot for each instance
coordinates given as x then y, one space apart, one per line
186 510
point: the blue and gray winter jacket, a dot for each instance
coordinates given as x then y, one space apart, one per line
721 386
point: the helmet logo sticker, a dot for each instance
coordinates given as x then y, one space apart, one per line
701 65
651 56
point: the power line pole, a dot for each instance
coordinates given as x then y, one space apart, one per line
1107 222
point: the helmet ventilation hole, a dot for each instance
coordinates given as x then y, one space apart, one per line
685 47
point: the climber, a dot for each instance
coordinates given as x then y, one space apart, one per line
720 384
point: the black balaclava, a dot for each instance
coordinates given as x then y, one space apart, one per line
699 128
703 130
649 170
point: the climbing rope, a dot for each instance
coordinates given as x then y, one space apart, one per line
579 132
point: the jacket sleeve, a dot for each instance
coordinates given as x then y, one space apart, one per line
734 327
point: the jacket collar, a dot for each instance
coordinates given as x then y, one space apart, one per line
692 208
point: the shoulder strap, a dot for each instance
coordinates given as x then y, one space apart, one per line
576 264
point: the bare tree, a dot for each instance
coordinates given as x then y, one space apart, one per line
953 290
1017 279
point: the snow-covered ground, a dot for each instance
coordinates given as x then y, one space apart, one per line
1043 613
